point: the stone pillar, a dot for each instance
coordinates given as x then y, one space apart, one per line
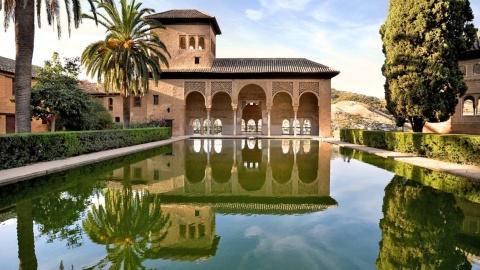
234 107
268 121
295 110
208 121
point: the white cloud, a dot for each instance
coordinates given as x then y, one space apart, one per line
269 7
275 5
254 15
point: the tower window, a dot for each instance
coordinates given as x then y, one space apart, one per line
197 60
155 99
183 42
191 43
201 43
117 119
110 104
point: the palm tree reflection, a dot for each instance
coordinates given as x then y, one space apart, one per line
129 224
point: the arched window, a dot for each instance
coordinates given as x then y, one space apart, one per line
207 123
217 146
296 125
197 126
251 126
197 145
110 104
476 69
259 125
306 147
463 69
468 107
183 42
285 146
201 43
285 127
307 127
191 43
217 126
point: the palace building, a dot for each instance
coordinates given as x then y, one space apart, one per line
202 94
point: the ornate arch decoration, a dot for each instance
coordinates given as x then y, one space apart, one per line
286 87
194 86
308 87
217 87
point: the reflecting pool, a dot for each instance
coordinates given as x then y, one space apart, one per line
242 204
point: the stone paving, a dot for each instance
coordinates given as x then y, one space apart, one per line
43 168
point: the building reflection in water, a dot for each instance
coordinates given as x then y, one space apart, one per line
203 177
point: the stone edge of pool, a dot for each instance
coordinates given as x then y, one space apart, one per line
14 175
468 171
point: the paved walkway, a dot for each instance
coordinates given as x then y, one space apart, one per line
468 171
39 169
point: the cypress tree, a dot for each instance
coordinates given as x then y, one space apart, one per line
422 41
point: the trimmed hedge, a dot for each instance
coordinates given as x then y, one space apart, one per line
461 149
22 149
457 185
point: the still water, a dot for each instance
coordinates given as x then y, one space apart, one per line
242 204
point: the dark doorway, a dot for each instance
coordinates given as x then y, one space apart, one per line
10 124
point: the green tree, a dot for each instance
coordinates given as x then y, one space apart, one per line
130 53
422 41
419 227
24 17
56 95
129 225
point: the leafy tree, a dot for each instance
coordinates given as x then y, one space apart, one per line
130 53
56 95
129 225
24 17
419 228
422 41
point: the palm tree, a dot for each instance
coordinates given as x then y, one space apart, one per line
130 53
129 225
23 15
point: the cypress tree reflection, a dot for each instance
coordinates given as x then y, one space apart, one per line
419 228
129 225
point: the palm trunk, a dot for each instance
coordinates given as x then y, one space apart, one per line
126 111
26 236
52 124
24 40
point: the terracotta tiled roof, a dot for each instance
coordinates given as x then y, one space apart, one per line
182 13
91 88
7 65
185 16
261 65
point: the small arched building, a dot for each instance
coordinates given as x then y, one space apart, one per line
202 94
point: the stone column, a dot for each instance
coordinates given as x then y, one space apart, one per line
268 121
295 110
234 107
208 121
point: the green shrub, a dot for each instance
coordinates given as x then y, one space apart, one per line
22 149
461 149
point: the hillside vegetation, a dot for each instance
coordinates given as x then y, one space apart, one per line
351 110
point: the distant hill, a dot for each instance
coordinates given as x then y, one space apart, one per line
351 110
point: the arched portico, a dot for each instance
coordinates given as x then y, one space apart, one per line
251 101
195 112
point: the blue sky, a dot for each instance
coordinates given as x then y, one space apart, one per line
342 34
